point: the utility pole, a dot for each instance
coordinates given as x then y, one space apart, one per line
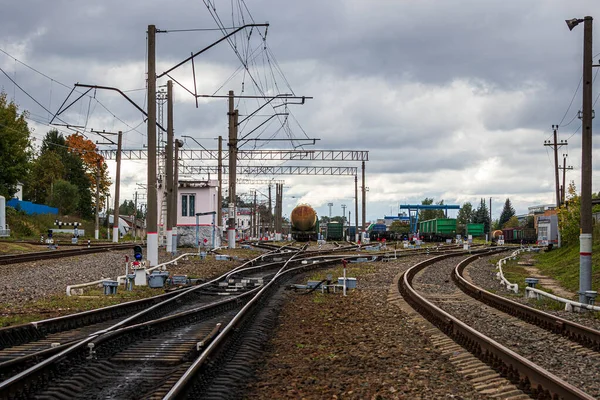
564 169
356 207
175 198
106 216
343 214
117 189
232 166
330 205
220 189
151 201
97 230
169 172
555 145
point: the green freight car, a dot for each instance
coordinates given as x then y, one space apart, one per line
475 230
335 231
438 229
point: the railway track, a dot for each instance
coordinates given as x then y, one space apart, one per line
51 254
179 352
536 361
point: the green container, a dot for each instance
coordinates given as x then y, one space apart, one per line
440 226
475 229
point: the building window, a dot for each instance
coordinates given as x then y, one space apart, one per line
188 205
192 203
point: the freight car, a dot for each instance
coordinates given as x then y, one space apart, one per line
335 231
305 224
519 235
438 229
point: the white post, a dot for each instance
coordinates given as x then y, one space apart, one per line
344 280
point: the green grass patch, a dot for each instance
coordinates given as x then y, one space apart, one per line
563 265
59 305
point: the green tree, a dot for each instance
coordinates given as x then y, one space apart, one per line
74 170
425 215
45 170
569 216
482 215
507 213
465 214
513 222
399 227
338 218
65 196
15 147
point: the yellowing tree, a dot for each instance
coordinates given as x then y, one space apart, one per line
93 163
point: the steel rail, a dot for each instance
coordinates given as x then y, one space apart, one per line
530 377
50 254
576 332
16 382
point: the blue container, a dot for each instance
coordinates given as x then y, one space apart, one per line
350 282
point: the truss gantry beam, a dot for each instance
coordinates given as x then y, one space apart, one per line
270 170
244 181
248 155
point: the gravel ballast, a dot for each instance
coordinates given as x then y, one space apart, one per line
356 347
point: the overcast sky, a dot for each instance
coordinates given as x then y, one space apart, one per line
452 99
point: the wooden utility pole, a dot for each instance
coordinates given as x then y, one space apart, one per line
169 166
151 200
117 189
555 145
564 170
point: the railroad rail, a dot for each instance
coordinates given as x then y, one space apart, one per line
50 254
573 331
529 377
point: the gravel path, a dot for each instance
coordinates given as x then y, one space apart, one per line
568 360
483 274
327 346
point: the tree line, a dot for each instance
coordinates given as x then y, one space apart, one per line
62 174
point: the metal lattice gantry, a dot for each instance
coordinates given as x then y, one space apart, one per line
247 155
270 170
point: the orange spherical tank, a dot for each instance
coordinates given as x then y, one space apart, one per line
303 218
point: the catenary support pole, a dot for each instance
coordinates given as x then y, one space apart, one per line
117 189
169 166
364 200
97 229
151 200
175 200
585 238
232 144
356 233
220 188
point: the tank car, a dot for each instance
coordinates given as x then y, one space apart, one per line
305 224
